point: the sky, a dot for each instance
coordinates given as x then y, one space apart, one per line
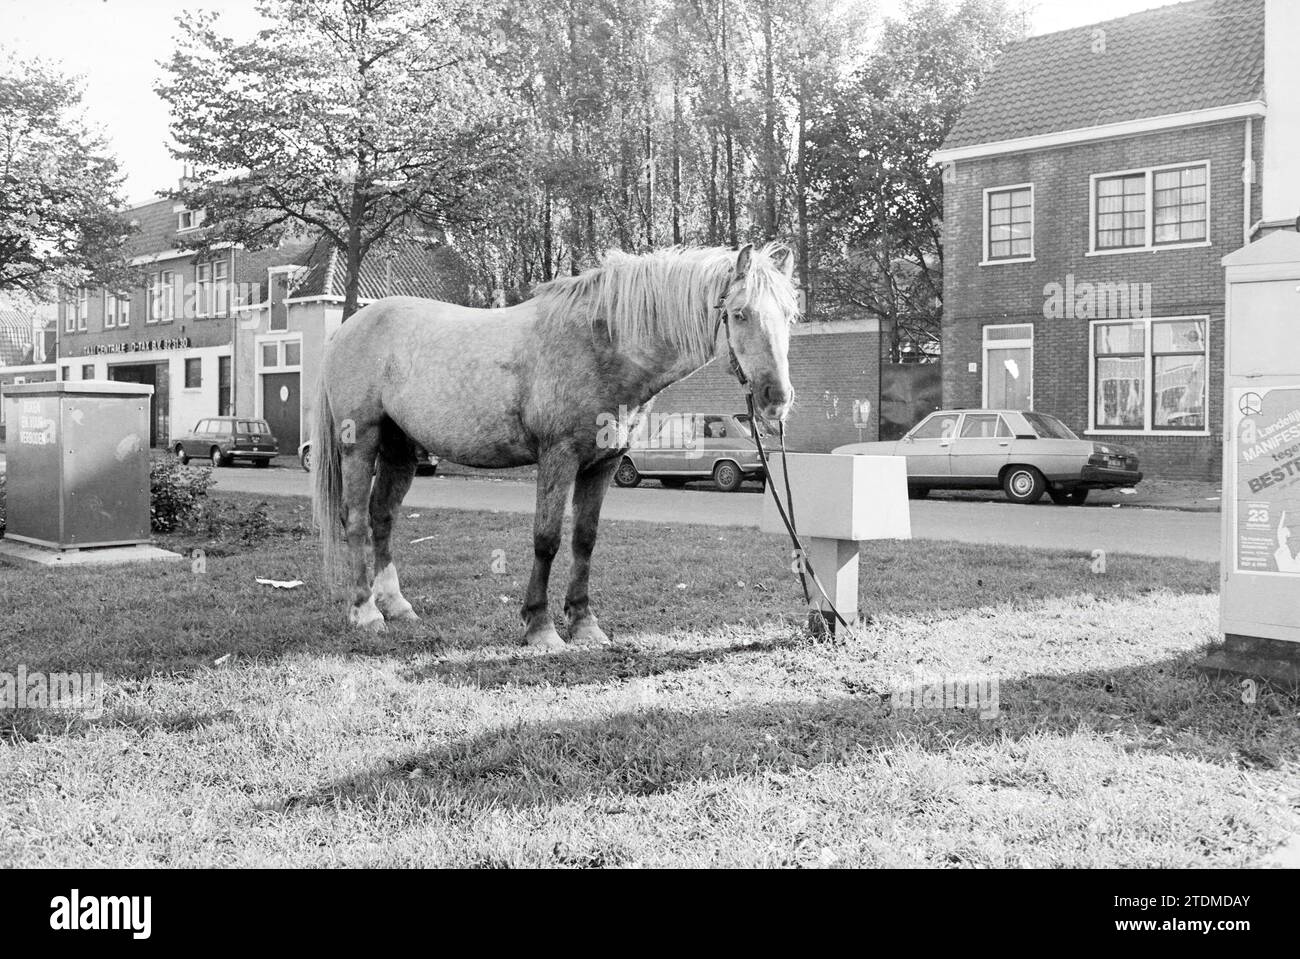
115 45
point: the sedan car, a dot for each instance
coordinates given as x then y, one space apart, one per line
1023 454
224 439
678 447
425 462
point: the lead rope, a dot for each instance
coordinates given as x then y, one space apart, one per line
787 517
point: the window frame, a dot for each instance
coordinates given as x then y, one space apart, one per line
185 372
1149 227
989 259
1149 400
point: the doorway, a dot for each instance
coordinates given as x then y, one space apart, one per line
157 376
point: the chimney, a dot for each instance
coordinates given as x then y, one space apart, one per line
1282 126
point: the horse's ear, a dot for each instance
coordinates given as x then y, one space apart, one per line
783 260
743 259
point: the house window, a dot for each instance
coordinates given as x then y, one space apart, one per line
82 310
1122 212
162 297
88 371
1009 224
223 386
1009 367
70 303
1161 207
203 287
189 220
293 354
1150 375
220 287
270 354
193 373
117 310
65 373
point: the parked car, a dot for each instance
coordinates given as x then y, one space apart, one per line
224 439
680 447
1024 454
425 462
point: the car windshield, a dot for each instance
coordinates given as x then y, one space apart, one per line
1049 427
252 426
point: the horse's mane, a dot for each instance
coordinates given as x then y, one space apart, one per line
665 295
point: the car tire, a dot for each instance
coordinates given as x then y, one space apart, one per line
1074 497
727 476
181 456
627 475
218 458
1024 485
304 458
918 492
672 482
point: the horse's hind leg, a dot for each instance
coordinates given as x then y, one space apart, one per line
393 475
358 470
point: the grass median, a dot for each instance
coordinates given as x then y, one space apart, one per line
246 725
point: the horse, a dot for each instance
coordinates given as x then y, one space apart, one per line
531 384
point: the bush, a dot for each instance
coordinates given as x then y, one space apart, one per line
176 494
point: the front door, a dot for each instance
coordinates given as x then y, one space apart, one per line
155 375
282 408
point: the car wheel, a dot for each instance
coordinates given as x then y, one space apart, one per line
727 476
181 456
305 458
626 475
670 482
218 458
1024 485
918 492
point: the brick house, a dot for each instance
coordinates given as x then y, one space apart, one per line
1091 190
193 330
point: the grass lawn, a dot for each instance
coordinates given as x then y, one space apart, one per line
245 725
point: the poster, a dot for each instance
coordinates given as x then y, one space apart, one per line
1267 471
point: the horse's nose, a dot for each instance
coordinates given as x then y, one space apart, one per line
774 399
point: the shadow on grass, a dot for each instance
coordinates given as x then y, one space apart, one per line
31 725
1165 708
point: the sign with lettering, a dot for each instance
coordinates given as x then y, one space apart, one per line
140 346
1266 468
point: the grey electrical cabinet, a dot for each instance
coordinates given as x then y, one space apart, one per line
78 464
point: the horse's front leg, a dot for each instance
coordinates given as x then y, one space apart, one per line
555 472
588 496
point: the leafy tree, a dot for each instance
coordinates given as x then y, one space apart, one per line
880 198
355 120
58 186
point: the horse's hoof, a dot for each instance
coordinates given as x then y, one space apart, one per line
407 615
544 637
588 634
367 616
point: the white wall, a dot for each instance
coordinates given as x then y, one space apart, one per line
1282 127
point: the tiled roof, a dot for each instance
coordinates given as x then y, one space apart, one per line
1174 59
15 337
156 227
411 268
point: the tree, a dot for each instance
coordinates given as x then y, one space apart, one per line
355 120
880 198
59 187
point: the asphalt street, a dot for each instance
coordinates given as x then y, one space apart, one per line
1126 530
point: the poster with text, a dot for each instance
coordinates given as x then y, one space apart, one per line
1267 467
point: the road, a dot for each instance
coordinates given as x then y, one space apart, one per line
1134 531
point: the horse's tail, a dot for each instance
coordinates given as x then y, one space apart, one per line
327 481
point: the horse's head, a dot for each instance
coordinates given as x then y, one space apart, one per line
760 304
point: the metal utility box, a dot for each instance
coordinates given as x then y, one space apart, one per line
1261 457
78 464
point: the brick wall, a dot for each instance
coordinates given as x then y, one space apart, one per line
831 366
1185 282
